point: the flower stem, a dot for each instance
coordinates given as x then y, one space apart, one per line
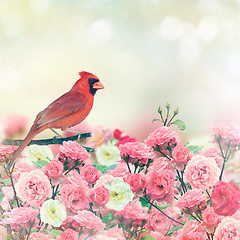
14 190
182 182
146 200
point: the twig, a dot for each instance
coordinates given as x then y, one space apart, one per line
14 190
146 200
48 141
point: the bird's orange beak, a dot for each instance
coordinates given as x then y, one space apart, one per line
98 85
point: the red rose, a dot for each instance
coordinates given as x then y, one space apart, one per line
117 133
226 198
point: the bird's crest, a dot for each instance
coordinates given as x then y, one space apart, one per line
84 74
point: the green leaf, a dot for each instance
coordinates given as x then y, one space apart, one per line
194 148
6 181
149 237
53 232
1 197
144 203
181 125
104 168
163 206
175 229
107 218
155 119
40 163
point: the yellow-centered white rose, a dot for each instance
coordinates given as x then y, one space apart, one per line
53 212
108 154
120 195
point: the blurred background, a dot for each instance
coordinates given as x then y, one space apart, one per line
145 52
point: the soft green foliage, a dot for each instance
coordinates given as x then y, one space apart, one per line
194 148
107 218
104 168
149 237
40 163
181 125
163 206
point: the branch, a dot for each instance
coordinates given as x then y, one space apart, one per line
49 141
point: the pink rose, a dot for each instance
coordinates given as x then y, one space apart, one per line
181 155
99 136
22 168
163 137
68 234
33 187
212 153
228 228
6 152
74 177
40 236
159 222
160 184
72 224
53 169
191 231
210 218
193 201
202 172
89 220
227 131
225 198
90 174
120 171
75 197
20 215
13 125
133 213
161 163
100 195
112 233
71 152
136 181
136 152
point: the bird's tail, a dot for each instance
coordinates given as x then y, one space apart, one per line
32 133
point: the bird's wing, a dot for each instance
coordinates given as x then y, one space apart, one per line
65 105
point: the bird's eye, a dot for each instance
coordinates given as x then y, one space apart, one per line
92 80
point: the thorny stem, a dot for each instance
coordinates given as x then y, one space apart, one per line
70 169
29 232
14 190
208 194
169 123
194 217
182 182
158 149
225 157
146 200
128 167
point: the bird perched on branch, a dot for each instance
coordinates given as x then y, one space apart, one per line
66 111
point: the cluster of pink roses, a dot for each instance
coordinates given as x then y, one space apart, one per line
158 188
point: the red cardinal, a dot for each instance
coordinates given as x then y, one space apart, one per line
66 111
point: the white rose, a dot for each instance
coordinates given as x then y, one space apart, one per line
120 195
108 154
53 212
